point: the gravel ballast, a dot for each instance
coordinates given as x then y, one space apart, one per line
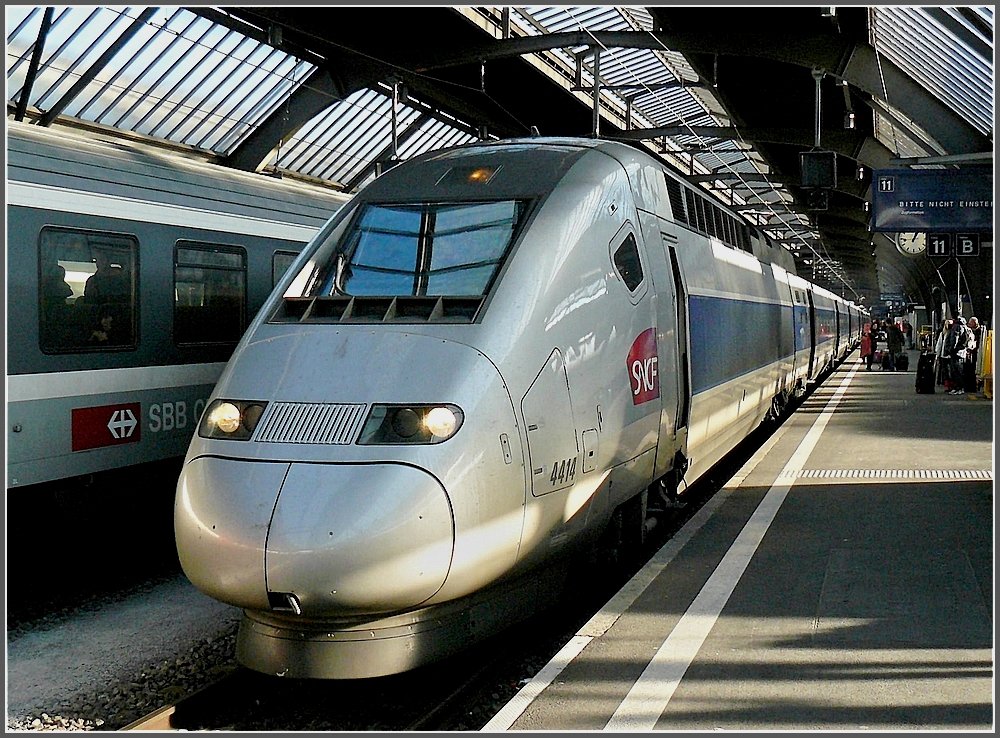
104 666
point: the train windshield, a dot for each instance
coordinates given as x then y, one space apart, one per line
424 249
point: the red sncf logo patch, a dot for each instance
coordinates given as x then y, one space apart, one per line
642 371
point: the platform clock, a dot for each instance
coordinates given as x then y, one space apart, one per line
911 243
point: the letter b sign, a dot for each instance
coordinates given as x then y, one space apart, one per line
966 244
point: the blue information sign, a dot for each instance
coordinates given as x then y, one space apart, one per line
925 200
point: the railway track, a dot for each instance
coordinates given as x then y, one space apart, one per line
443 696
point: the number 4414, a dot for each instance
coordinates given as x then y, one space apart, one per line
563 471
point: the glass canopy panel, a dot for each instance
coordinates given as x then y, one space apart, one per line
178 76
947 50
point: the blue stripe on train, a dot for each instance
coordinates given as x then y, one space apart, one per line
732 337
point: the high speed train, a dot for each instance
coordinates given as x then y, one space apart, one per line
490 357
104 379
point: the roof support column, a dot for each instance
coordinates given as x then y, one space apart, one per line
36 58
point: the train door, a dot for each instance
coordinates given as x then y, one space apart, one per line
836 331
684 368
675 371
813 370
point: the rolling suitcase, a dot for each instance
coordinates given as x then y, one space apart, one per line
925 373
902 362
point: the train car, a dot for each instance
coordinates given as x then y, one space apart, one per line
494 355
110 369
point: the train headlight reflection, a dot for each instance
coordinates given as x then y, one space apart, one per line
410 424
232 419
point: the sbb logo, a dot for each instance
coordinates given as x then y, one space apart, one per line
642 372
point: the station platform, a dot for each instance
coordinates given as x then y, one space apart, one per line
842 580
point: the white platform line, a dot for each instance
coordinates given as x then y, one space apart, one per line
602 621
652 692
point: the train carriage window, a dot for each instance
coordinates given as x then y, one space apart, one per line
720 228
280 262
88 296
743 234
712 220
676 200
694 219
210 293
730 228
627 263
703 213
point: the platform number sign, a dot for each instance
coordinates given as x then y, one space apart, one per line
966 244
939 244
958 244
886 184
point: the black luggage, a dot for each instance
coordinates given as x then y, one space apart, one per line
903 362
886 361
925 373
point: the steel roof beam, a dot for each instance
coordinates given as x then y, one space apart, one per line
855 63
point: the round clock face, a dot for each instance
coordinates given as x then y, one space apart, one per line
911 243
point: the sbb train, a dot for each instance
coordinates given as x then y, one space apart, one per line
108 371
494 354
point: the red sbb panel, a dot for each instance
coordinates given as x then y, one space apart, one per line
108 425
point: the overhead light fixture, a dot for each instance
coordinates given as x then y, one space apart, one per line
849 121
274 35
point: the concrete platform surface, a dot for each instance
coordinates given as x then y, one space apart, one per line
841 581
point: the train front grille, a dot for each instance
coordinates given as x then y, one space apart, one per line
310 422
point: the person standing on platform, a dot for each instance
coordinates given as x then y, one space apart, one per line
972 354
867 346
941 358
955 346
895 342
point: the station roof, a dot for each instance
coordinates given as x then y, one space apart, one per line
727 95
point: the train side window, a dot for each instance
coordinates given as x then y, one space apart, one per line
702 214
280 262
712 220
676 199
87 290
627 263
210 293
692 208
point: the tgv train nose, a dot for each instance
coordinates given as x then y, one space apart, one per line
339 538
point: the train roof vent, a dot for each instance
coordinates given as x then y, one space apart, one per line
363 309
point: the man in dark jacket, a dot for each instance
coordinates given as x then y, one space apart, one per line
895 341
955 349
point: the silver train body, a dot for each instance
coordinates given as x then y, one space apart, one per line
491 353
197 248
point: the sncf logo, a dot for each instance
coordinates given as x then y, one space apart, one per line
642 372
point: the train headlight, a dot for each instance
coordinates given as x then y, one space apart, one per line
398 424
232 419
441 422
